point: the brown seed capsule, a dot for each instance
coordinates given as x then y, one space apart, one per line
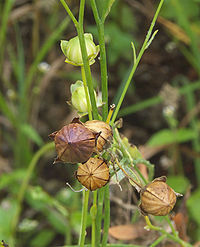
74 143
100 127
93 174
157 198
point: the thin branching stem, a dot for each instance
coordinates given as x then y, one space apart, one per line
103 61
84 218
69 12
144 46
86 93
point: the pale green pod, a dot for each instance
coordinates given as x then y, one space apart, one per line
72 50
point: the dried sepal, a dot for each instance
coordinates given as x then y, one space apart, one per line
93 174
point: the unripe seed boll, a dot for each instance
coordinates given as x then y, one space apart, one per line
157 198
105 132
93 174
72 50
74 143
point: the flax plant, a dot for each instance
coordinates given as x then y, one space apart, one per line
101 200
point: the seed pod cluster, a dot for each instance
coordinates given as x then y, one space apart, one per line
74 143
93 174
157 198
104 129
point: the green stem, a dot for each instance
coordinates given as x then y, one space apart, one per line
94 215
103 63
99 215
127 154
69 12
86 93
84 218
25 182
144 46
171 226
87 71
4 20
106 216
160 239
175 238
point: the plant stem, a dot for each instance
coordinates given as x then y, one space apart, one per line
86 93
103 63
171 226
84 217
25 182
4 20
106 215
175 238
148 37
69 12
160 239
99 215
94 218
127 154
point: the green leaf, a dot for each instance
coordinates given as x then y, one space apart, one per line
107 4
31 133
43 239
178 183
9 179
7 211
193 206
167 136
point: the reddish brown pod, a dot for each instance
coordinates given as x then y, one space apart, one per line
74 143
157 198
93 174
103 128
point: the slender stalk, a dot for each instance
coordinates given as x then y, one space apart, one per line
4 20
86 93
81 12
84 218
121 168
99 215
106 215
94 206
69 12
25 182
87 71
127 154
148 37
171 226
175 238
103 63
160 239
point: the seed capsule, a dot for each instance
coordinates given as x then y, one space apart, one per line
157 198
74 143
100 127
93 174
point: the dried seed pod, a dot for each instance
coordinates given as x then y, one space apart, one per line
74 143
93 174
104 128
157 198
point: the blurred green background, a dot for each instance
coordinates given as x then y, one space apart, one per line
160 112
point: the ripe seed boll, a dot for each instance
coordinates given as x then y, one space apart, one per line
74 143
157 198
103 128
93 174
